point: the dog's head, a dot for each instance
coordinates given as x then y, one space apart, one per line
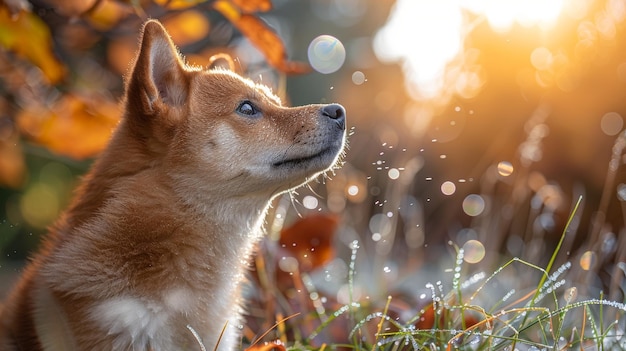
215 131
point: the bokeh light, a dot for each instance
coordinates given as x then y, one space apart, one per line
473 205
326 54
587 260
310 202
358 78
474 251
612 123
505 168
393 173
448 188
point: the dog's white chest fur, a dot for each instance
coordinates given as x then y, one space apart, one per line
138 324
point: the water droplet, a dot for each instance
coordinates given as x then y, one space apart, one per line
473 205
448 188
505 168
353 190
326 54
474 251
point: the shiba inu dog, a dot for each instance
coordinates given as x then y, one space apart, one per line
152 251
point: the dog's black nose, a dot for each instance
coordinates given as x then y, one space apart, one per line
336 112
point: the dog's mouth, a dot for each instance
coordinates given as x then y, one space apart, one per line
328 152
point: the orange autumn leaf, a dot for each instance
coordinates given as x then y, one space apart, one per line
261 36
310 240
251 6
187 27
28 36
74 126
108 13
71 8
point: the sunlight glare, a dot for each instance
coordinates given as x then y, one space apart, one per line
408 37
428 38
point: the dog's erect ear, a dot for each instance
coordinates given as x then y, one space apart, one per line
158 78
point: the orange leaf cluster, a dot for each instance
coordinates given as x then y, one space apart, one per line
74 126
259 34
28 36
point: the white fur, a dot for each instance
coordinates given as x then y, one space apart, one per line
136 324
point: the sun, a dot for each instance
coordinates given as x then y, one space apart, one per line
427 37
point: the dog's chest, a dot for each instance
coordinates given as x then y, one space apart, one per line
137 323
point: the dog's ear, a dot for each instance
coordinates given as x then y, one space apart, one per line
158 80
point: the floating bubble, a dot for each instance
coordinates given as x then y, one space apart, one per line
448 188
358 78
473 205
611 123
587 260
326 54
310 202
505 168
474 251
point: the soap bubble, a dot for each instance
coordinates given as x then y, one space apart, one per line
326 54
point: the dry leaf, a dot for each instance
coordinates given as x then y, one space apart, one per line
310 240
74 126
261 36
28 36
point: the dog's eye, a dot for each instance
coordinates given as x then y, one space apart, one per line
246 108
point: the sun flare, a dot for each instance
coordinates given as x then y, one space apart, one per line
428 38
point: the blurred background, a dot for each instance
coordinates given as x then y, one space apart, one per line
474 124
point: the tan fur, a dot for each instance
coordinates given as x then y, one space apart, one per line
154 247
